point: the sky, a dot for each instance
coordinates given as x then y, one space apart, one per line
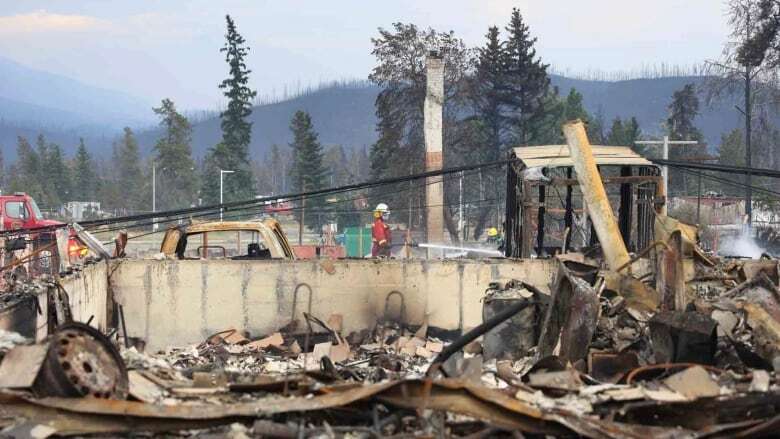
155 49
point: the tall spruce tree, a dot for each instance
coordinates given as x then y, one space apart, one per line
623 133
129 185
278 163
489 91
233 152
307 172
574 107
528 81
25 176
3 174
84 176
731 152
176 177
680 125
59 176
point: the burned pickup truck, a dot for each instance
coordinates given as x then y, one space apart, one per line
228 239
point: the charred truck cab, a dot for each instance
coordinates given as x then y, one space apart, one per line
545 210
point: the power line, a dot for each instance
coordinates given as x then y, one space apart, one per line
264 200
250 209
760 172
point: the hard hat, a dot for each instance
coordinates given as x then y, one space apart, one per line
381 207
492 231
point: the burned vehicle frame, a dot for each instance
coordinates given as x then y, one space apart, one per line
541 177
269 233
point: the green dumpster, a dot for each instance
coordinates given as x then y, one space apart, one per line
358 241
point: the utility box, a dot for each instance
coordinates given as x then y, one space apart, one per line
358 241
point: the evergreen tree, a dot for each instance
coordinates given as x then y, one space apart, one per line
680 125
401 55
59 177
731 152
489 90
233 152
25 176
278 170
528 81
335 160
574 108
48 198
84 176
307 172
623 133
3 174
176 179
129 191
682 112
616 133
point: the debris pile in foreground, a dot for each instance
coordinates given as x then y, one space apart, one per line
587 360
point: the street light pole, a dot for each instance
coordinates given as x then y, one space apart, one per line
222 173
155 226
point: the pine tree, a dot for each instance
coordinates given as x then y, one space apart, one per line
489 90
3 174
59 177
129 190
528 80
278 170
682 112
307 172
176 179
616 133
680 125
233 152
574 108
335 160
731 152
25 177
84 176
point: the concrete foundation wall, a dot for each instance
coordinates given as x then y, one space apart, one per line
88 293
181 302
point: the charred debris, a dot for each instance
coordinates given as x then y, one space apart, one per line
643 335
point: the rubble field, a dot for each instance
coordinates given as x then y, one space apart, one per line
587 360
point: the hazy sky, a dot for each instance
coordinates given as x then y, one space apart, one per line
155 48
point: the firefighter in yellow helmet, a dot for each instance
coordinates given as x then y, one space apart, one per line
495 238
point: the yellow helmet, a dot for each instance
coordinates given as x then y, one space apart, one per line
492 232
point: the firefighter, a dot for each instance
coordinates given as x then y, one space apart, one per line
380 233
495 238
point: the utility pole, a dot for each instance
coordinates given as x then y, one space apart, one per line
665 143
748 155
154 195
460 207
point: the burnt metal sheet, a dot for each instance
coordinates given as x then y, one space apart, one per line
20 366
571 317
19 313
